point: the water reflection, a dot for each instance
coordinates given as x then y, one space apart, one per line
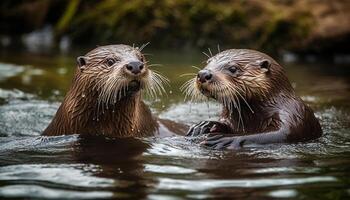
32 191
62 175
118 159
209 184
60 167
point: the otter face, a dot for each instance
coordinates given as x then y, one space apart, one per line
116 71
231 76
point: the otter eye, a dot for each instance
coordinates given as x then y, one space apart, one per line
110 61
232 69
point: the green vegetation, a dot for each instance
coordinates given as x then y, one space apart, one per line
271 25
186 23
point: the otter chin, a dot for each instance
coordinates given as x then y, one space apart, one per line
259 104
133 87
105 97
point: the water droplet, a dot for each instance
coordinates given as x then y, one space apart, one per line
170 92
83 95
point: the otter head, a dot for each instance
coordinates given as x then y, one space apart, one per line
237 75
115 72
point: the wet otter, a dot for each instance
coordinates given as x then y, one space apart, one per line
105 96
259 104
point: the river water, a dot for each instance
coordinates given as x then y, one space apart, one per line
66 167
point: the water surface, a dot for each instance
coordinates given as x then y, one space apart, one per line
66 167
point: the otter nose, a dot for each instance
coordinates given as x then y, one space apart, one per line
204 75
134 67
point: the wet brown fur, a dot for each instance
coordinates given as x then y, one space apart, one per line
267 102
83 112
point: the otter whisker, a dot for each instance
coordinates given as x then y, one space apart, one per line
229 99
143 46
159 75
119 94
160 79
236 89
233 99
245 101
147 54
206 54
149 88
187 74
104 90
108 95
187 84
197 96
226 100
218 47
155 65
190 90
111 88
211 54
196 67
155 85
239 109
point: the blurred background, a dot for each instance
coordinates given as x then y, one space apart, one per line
275 26
44 37
39 43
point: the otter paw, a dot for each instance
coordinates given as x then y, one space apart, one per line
203 127
220 141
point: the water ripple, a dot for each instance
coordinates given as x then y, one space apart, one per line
29 117
78 175
34 191
208 184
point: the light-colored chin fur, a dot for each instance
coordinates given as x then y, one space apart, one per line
116 85
231 96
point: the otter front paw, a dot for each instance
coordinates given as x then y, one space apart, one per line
221 141
205 127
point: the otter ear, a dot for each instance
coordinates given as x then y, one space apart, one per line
264 65
81 60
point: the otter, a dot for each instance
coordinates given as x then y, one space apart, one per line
105 96
259 104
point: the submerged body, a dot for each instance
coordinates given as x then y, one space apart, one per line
259 104
105 96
